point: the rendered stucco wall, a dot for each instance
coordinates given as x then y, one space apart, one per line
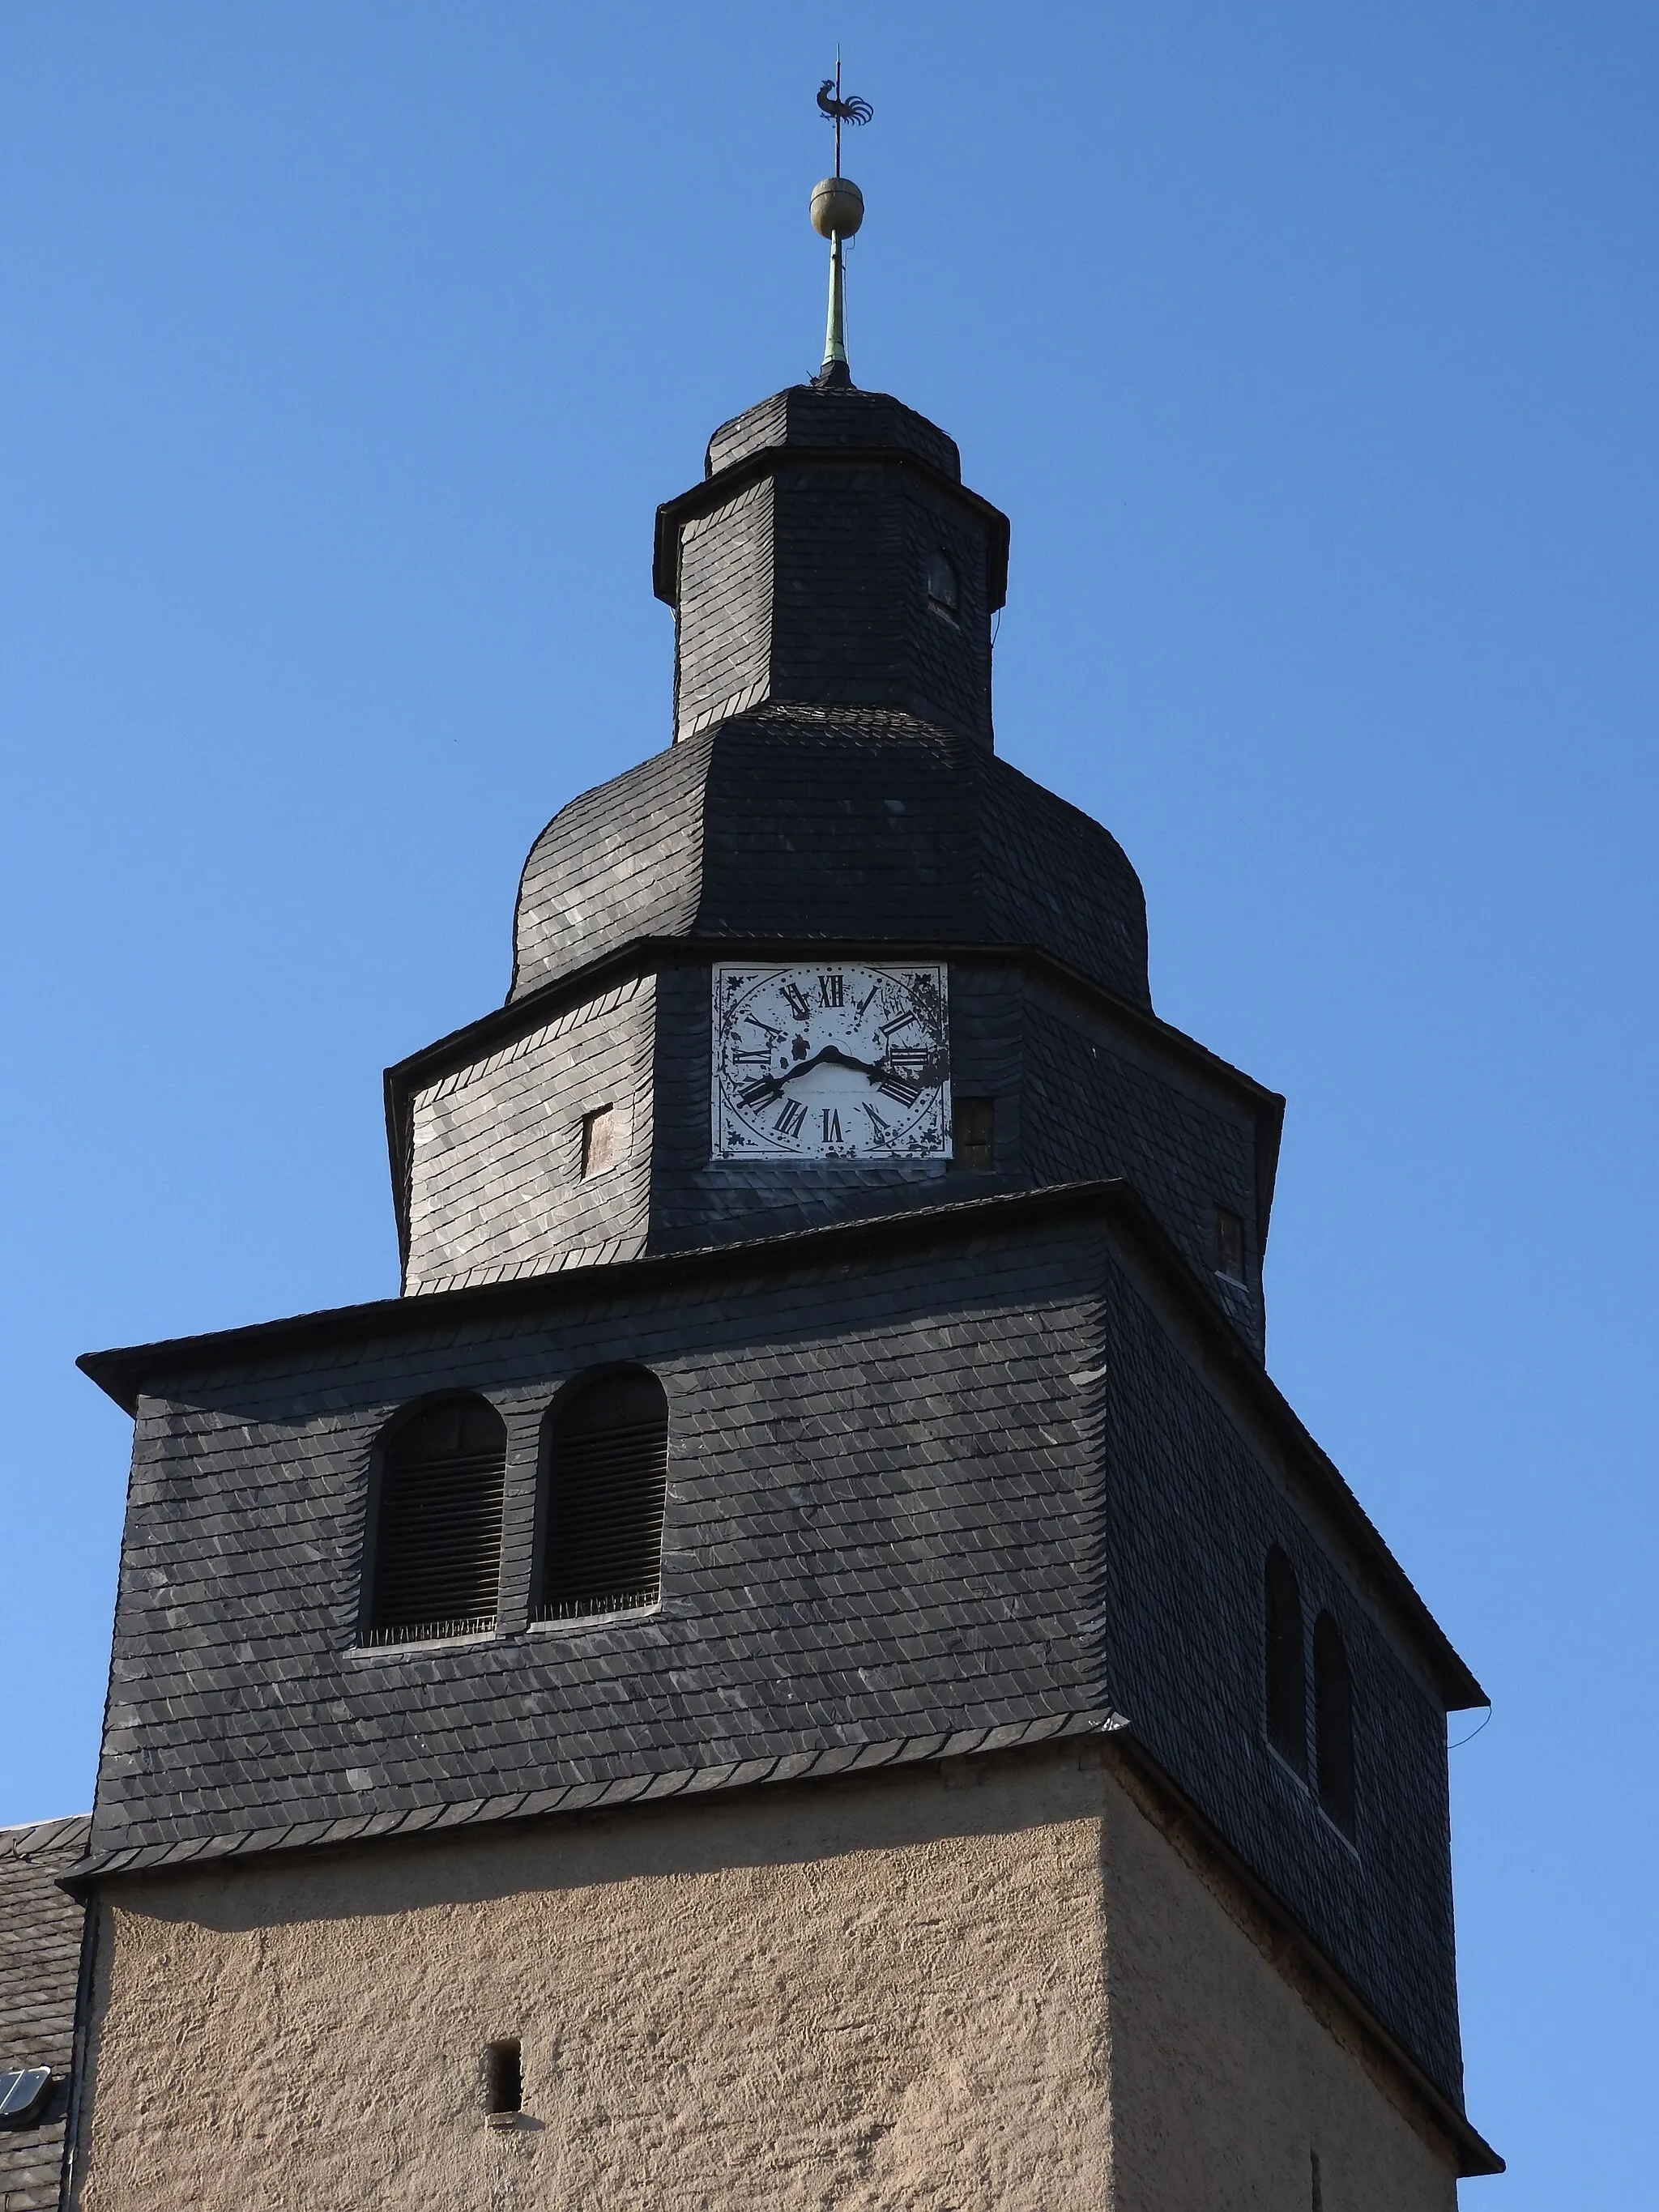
944 1988
1226 2086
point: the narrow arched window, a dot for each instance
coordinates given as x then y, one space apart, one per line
1287 1691
1332 1722
438 1524
607 1475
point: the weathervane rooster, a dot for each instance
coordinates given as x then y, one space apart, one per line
839 110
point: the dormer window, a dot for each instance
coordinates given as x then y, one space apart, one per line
944 593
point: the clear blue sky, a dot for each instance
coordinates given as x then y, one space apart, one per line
346 350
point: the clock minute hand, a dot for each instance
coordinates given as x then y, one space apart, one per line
836 1057
771 1086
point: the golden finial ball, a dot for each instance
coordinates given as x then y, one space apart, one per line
837 207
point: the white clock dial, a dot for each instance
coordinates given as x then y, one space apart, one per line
831 1061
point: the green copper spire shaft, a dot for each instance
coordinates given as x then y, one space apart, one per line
835 334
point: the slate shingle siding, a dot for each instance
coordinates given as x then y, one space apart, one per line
1092 1106
851 625
881 1500
1191 1512
961 1478
495 1147
40 1965
797 571
496 1187
947 656
723 650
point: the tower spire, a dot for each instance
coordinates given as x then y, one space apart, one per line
838 211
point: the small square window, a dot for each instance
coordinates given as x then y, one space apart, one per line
598 1140
1229 1244
974 1132
943 591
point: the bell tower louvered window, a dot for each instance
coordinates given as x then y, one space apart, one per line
1333 1723
438 1527
1287 1679
607 1473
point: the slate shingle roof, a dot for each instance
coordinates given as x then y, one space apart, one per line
798 826
806 415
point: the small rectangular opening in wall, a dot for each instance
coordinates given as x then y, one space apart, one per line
1229 1244
503 2077
974 1132
598 1140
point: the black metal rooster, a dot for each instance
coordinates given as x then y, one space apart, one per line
850 110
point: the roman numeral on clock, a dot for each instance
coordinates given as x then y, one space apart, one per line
792 1118
831 1126
831 990
895 1087
796 999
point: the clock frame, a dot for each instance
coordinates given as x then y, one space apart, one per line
830 1060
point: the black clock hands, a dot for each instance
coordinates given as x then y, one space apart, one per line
772 1086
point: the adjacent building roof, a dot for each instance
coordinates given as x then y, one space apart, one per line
41 1930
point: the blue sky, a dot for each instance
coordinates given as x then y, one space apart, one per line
345 351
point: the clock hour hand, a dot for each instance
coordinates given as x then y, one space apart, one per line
836 1057
771 1086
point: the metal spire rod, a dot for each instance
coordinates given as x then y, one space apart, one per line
838 211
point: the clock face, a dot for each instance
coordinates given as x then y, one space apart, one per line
831 1061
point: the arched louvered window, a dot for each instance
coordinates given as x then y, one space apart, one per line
607 1473
1332 1722
1287 1686
438 1524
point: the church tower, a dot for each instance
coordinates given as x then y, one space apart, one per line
804 1660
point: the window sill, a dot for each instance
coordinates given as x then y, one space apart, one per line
575 1622
1337 1832
421 1651
1285 1767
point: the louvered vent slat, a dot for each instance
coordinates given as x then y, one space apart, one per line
438 1550
610 1477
